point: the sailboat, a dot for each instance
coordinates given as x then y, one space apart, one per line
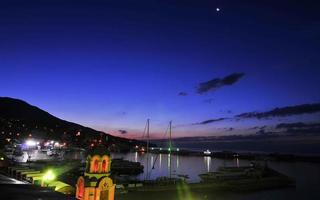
225 179
164 180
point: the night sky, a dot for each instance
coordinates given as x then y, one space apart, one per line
111 65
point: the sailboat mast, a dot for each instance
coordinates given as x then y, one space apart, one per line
148 137
170 144
170 148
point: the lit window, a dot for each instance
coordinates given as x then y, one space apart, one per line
96 166
80 188
104 166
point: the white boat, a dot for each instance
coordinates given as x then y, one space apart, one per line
207 152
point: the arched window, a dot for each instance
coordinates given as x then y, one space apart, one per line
96 166
104 166
80 188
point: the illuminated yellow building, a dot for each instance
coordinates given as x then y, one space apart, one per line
96 184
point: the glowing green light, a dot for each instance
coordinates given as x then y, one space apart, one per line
2 158
49 176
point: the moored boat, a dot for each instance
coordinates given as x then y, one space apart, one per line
247 178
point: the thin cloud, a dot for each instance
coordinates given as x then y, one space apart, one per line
209 121
123 131
182 94
216 83
257 127
283 111
299 128
297 125
209 101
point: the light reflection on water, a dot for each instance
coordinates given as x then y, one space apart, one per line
177 162
186 165
136 157
307 175
237 162
207 161
169 160
151 161
160 158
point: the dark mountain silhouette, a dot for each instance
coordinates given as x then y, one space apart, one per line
19 120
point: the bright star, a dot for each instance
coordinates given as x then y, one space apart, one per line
217 9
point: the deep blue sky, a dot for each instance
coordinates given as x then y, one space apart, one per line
111 65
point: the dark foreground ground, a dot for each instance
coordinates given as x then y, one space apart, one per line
11 189
279 194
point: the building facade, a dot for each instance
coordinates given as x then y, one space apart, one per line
96 184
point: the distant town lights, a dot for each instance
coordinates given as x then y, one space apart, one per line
31 143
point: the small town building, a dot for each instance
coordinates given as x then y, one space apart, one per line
96 183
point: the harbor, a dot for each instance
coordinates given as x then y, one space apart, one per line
146 168
193 166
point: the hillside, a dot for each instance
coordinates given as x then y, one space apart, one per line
20 120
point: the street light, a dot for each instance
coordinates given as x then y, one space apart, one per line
48 176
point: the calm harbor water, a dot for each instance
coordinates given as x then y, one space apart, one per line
307 175
160 164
